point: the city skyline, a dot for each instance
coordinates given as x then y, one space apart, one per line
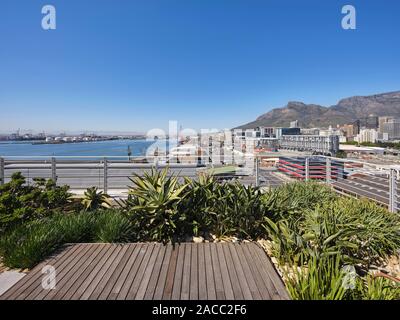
118 66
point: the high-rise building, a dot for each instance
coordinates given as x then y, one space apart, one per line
370 122
356 127
382 121
392 128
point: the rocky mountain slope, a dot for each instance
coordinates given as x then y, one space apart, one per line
347 110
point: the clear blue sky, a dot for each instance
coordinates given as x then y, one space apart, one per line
134 65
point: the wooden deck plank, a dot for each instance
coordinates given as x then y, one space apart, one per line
194 274
229 295
140 272
117 273
202 273
269 271
110 272
98 273
254 251
169 281
130 277
94 261
148 272
176 290
219 286
264 292
86 268
237 291
125 271
35 276
211 294
155 274
185 291
158 292
71 266
195 271
242 281
255 293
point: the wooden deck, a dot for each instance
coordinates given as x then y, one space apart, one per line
152 271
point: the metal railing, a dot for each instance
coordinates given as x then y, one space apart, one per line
347 177
112 173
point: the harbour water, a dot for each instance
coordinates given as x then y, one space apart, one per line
110 148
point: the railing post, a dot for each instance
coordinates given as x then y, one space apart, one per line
392 191
2 176
328 170
105 175
307 168
257 169
156 163
53 169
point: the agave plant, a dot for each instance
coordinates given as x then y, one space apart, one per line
95 199
153 203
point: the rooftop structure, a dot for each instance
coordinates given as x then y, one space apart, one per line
328 145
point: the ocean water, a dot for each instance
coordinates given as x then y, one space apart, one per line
112 148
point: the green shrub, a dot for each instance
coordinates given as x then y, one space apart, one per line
321 278
290 200
164 209
376 288
288 246
360 230
28 244
21 203
112 226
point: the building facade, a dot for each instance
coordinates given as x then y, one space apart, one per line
328 145
392 128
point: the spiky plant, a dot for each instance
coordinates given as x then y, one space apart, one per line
95 199
321 278
152 205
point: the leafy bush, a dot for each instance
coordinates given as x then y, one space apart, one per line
359 229
321 278
112 227
164 209
28 244
288 246
20 203
376 288
290 200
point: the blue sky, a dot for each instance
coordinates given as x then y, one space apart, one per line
133 65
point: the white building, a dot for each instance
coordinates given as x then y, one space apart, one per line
370 135
392 128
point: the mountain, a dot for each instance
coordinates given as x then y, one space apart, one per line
313 115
